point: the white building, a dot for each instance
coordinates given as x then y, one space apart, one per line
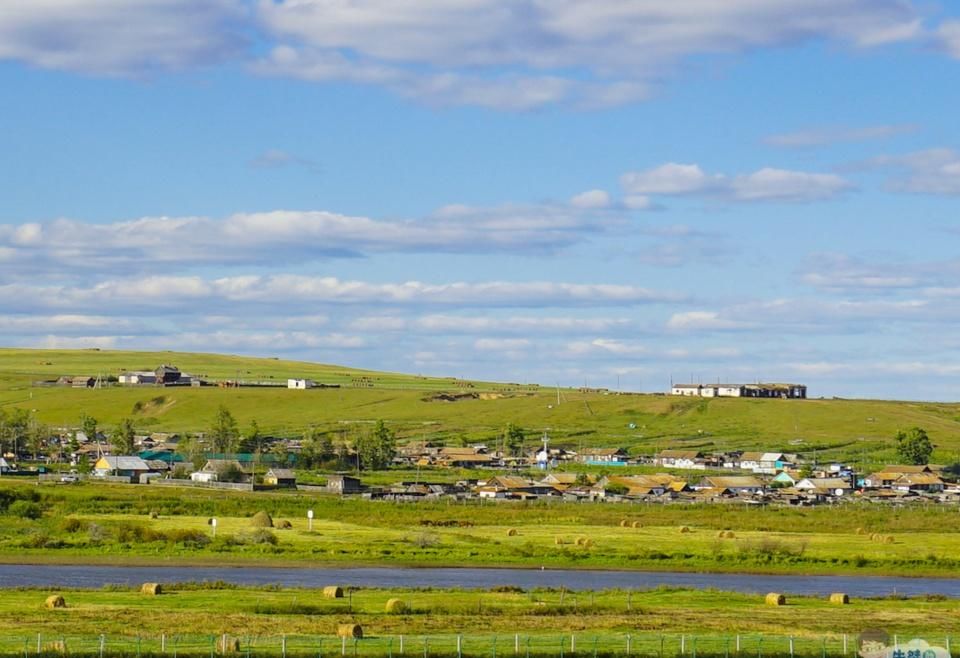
139 377
300 384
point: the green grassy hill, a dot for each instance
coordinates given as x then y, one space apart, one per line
415 408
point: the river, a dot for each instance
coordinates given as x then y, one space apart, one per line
76 576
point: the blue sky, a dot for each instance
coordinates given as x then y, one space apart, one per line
607 192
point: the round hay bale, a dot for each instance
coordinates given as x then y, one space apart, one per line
558 541
227 644
722 534
637 524
839 598
350 630
588 543
284 525
624 523
151 589
261 520
55 601
581 541
888 539
396 607
332 592
684 529
512 532
730 534
875 537
861 531
774 598
154 514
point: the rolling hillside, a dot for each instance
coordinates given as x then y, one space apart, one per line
423 408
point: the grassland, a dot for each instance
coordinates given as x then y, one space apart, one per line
208 609
149 525
856 430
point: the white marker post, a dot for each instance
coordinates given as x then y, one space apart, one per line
213 523
310 519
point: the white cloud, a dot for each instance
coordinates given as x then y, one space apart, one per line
501 344
931 171
767 184
522 55
121 37
703 321
193 292
840 272
298 236
591 199
277 158
948 34
837 134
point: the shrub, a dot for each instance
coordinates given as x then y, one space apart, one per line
25 509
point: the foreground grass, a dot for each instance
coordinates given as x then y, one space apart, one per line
200 609
857 430
142 524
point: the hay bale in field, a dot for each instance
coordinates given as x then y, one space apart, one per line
559 541
839 598
581 541
888 539
730 534
261 520
350 630
332 592
861 531
227 644
284 525
875 537
512 532
396 607
774 598
55 601
624 523
684 529
151 589
637 524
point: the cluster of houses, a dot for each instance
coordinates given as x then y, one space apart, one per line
786 391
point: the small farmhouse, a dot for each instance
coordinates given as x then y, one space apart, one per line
280 477
300 384
120 466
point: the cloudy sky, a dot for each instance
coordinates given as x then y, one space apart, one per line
612 192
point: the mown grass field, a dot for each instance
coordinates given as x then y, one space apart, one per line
272 611
858 430
99 523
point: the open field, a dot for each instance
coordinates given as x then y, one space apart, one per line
855 430
98 523
203 608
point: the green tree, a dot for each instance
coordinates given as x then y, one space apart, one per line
89 426
38 437
13 429
253 441
515 437
913 446
376 449
122 437
224 434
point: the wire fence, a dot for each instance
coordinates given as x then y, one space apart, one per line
570 645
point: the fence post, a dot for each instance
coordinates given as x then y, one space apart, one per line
401 645
103 642
223 644
791 647
948 644
561 644
683 644
38 644
573 643
528 646
163 642
628 644
343 645
726 647
738 643
426 645
844 644
176 641
459 647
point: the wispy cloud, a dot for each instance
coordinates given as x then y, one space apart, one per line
276 158
767 184
824 136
